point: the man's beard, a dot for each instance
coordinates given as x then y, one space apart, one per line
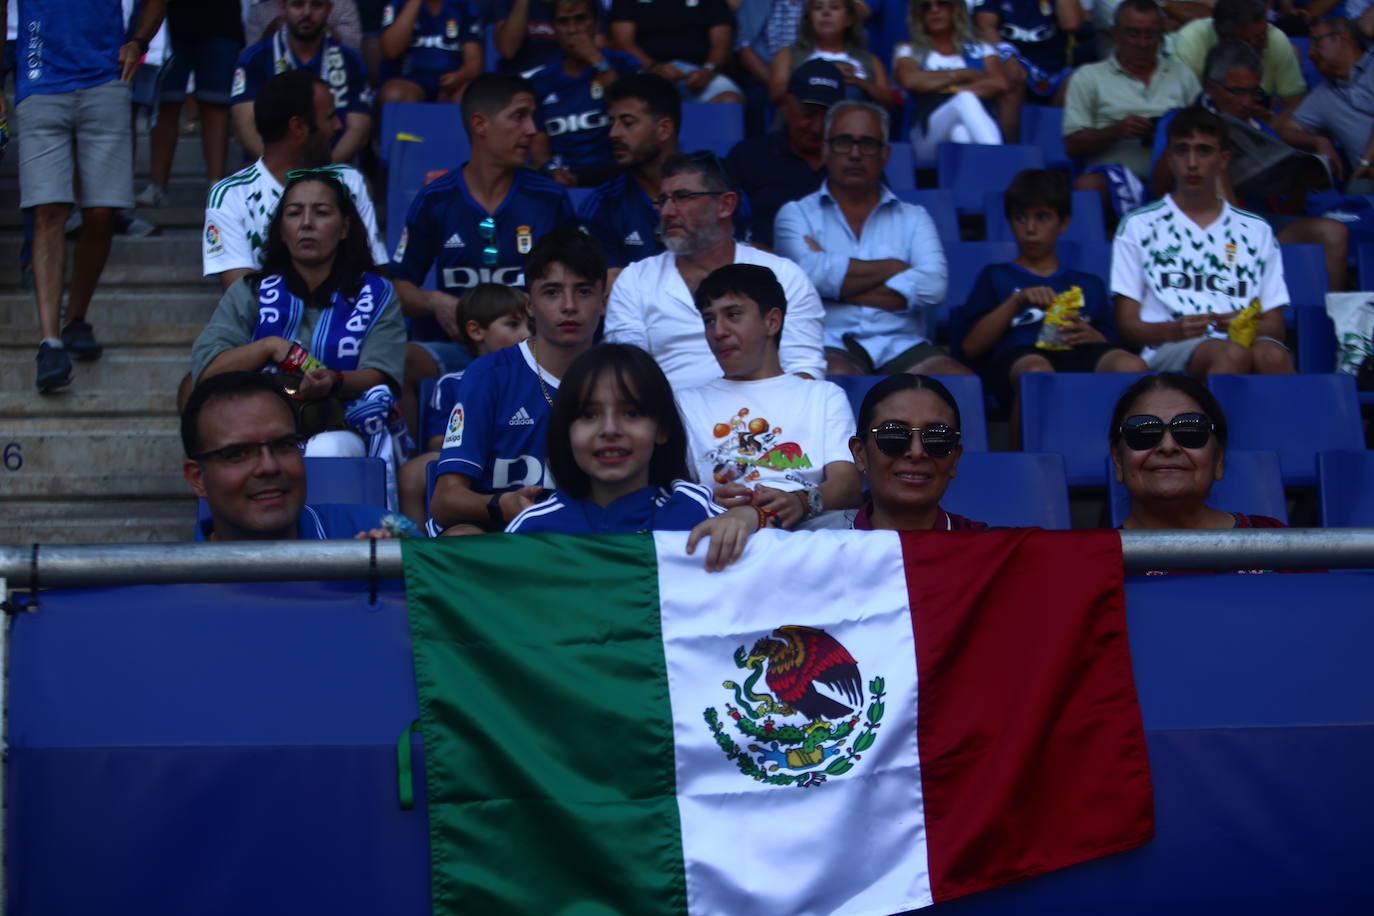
692 241
312 31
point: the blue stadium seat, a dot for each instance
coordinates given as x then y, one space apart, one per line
1345 488
1310 75
971 169
1086 225
1043 126
1067 413
966 260
901 167
1304 271
1090 257
1015 489
967 391
411 162
1295 415
711 125
422 122
1251 483
939 203
361 481
1364 262
426 392
1316 340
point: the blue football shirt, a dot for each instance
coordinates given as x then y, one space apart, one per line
437 40
323 522
340 67
65 45
573 110
540 44
680 508
1033 28
997 282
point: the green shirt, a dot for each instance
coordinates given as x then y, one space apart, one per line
1102 93
1282 74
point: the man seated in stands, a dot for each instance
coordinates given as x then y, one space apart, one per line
476 224
303 44
244 457
573 144
433 50
758 435
651 303
295 116
1341 108
1245 21
788 164
492 464
876 260
1109 107
1231 88
685 41
1032 39
1198 283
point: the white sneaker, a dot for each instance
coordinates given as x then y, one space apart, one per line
151 196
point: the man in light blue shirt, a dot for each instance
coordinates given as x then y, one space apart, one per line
875 260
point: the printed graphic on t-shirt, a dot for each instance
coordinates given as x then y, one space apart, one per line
746 446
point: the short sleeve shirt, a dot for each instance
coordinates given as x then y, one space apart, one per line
1100 94
669 30
573 110
620 216
1032 27
64 45
339 66
997 282
1345 109
1282 71
436 44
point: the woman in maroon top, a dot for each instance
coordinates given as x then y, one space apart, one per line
1168 445
908 444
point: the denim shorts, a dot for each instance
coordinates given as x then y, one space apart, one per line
86 129
212 62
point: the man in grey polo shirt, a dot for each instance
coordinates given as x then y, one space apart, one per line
1343 107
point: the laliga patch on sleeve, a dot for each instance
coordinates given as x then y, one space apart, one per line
454 436
388 15
400 254
214 244
240 83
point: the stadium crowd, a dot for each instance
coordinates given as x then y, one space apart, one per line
522 360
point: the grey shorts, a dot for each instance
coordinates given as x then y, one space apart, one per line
86 129
1174 355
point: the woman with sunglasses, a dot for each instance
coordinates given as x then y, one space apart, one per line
907 443
952 76
1168 444
318 313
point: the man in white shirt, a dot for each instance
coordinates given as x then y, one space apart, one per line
651 303
1185 266
295 115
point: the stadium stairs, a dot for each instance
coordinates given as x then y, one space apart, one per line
101 460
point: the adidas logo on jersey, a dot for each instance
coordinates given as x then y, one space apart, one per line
521 418
454 241
633 238
551 99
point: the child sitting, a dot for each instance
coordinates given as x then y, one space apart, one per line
1026 316
618 450
763 437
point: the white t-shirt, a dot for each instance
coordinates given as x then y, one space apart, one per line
1174 267
934 60
779 431
240 207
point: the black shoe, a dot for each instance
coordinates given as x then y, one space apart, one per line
78 338
54 368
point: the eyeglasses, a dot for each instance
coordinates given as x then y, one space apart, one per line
844 144
932 4
487 230
894 439
1313 39
288 446
681 197
1135 34
1143 432
1253 92
574 19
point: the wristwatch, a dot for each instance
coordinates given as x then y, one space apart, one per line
494 517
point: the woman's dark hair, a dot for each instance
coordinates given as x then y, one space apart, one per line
1174 381
642 383
352 259
895 383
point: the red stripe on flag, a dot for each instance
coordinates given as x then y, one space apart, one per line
1032 748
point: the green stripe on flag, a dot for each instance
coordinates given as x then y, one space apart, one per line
548 735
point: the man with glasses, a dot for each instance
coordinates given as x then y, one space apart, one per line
244 457
876 260
1246 21
1343 107
651 304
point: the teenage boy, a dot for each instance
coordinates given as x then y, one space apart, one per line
759 435
1185 265
1003 319
491 467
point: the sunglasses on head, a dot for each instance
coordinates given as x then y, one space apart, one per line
894 439
1144 431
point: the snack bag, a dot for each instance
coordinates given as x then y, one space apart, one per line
1242 328
298 359
1062 314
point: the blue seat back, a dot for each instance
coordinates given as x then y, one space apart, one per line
900 170
1043 126
966 260
360 481
1015 489
711 125
430 122
1090 257
1295 415
1316 340
1251 483
1086 225
1364 262
967 391
1345 488
411 162
939 203
426 394
1304 271
1067 413
971 169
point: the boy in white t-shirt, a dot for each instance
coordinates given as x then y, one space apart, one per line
1185 266
760 436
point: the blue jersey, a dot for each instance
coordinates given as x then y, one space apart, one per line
436 45
441 401
65 45
495 432
573 110
443 229
1032 28
998 281
620 216
680 508
323 522
540 44
340 67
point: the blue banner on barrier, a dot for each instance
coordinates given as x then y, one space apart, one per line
229 749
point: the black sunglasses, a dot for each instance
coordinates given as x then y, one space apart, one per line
1144 431
894 439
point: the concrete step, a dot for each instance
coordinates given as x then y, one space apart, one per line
173 217
171 257
124 382
99 458
184 195
101 521
124 314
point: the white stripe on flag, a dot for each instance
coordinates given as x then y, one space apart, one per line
854 843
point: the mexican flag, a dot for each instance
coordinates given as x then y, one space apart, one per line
843 722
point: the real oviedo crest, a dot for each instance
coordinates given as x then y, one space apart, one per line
808 720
